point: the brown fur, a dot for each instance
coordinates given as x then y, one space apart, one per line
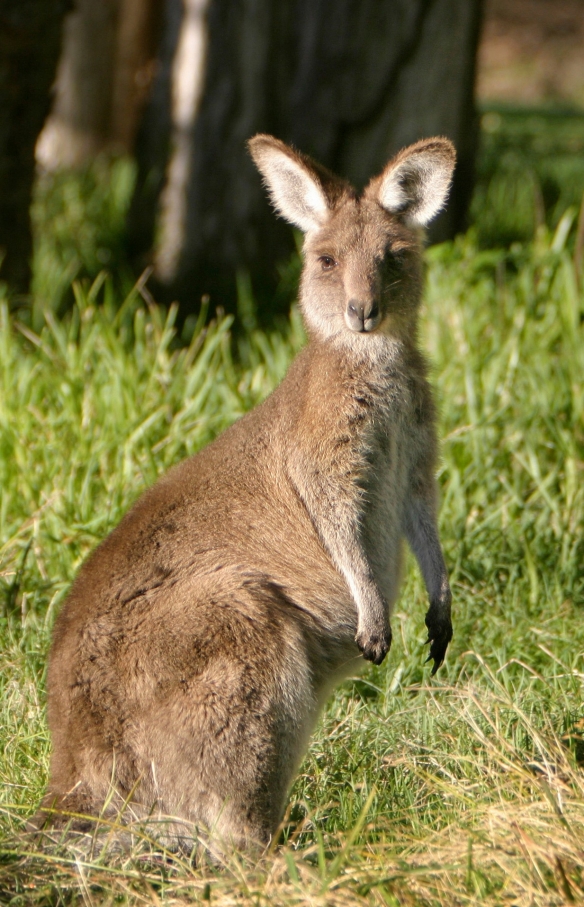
200 640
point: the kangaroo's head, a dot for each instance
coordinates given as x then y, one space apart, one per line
362 254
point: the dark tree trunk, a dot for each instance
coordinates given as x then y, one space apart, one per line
350 81
30 41
133 69
102 81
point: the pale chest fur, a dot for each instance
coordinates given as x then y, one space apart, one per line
394 437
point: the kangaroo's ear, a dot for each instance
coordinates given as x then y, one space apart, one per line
415 183
300 189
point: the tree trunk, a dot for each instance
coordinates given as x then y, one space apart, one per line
350 81
30 41
102 81
134 66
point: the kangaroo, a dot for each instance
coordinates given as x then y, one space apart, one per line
200 640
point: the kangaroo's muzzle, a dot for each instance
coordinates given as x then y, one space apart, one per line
362 317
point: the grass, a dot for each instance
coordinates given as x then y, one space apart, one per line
79 229
464 789
530 170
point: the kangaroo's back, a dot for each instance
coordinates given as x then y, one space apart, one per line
200 639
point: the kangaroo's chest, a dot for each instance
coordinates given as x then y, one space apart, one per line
386 474
387 444
391 447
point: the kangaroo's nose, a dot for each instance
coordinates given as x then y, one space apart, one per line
362 317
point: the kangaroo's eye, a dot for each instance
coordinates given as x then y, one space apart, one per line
393 260
327 262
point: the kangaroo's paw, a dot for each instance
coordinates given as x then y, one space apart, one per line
439 633
374 643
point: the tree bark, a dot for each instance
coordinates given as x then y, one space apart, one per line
102 81
134 66
350 81
30 41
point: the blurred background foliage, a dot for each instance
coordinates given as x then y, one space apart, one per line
530 170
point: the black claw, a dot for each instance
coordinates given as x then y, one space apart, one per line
437 662
439 635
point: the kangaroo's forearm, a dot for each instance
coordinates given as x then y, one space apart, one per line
336 520
421 531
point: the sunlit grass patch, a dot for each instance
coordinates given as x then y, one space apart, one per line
530 171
